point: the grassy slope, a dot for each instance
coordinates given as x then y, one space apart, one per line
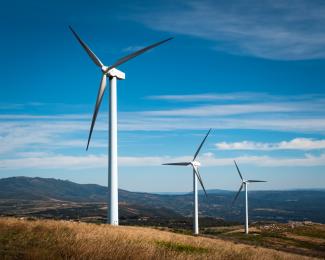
299 238
49 239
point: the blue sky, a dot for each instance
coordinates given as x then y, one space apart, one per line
251 70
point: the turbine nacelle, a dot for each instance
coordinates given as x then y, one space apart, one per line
113 73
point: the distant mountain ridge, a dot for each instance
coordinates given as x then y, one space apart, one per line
264 205
48 188
37 188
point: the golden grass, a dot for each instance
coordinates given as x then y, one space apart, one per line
49 239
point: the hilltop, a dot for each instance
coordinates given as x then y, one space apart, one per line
22 239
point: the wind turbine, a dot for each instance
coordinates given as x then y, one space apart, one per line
244 183
196 175
113 74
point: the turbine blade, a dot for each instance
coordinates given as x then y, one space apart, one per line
200 180
240 188
92 55
198 150
178 163
98 102
255 181
135 54
238 171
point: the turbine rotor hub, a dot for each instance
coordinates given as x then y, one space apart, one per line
196 163
104 68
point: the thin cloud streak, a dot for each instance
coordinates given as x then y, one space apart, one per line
294 144
100 161
238 96
209 97
132 48
238 109
51 117
284 124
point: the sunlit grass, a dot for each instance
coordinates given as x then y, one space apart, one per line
48 239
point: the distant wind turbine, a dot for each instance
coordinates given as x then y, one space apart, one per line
244 183
112 73
196 175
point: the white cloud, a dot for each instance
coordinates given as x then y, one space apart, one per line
238 109
281 30
307 160
294 144
100 161
244 145
55 162
19 134
49 133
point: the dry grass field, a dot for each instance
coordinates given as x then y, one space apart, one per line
49 239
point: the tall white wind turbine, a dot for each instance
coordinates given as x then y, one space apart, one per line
113 74
244 184
196 176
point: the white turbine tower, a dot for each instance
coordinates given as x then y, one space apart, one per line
196 176
112 73
244 183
